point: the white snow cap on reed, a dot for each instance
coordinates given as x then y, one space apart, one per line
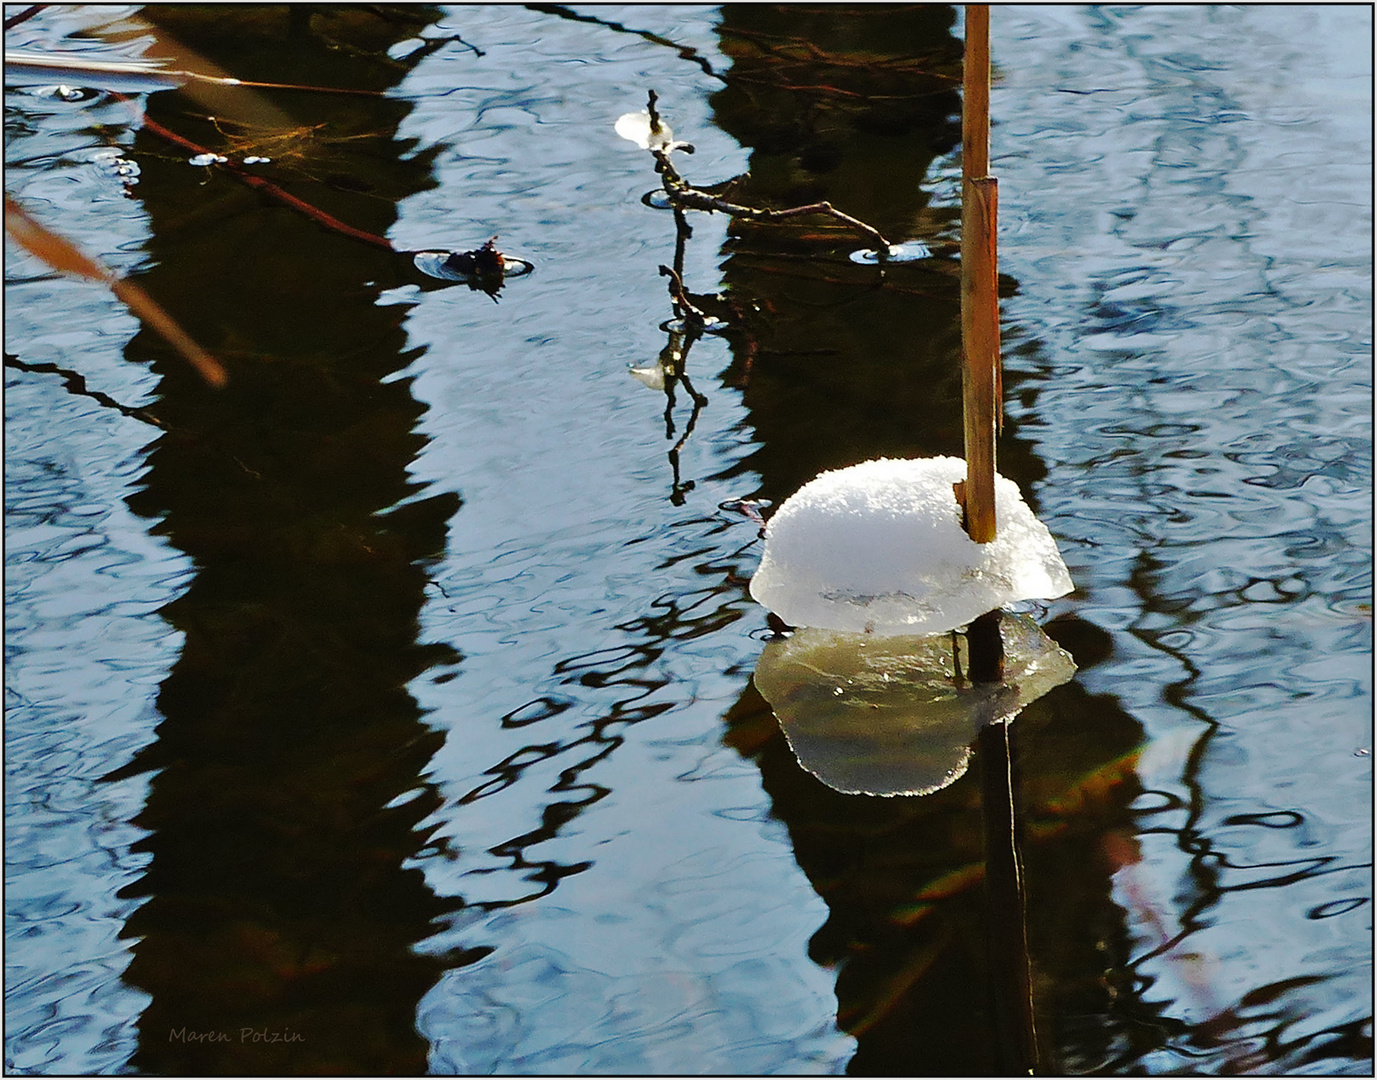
879 547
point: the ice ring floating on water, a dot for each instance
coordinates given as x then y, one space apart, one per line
483 264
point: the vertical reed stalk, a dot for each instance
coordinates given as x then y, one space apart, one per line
980 376
975 107
982 407
980 350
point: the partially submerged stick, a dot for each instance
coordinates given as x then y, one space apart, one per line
139 72
683 195
267 187
980 381
982 408
62 255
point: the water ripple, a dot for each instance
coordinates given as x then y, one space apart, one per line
1202 292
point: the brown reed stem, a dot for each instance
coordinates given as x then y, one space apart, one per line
64 256
980 375
980 350
266 186
975 110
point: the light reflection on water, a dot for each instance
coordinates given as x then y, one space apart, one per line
1196 271
1192 343
79 569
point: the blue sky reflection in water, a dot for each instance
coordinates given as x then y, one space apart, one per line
1185 205
1218 359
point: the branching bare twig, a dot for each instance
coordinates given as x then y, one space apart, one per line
672 367
680 296
683 195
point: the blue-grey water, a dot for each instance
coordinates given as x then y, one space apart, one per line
395 704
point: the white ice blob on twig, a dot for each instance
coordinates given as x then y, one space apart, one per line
635 127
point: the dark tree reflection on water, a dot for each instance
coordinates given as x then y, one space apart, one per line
837 364
289 769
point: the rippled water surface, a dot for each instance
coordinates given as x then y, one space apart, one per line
393 709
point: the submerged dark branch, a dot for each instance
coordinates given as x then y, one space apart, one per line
686 52
76 383
28 13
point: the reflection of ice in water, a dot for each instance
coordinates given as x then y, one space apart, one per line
882 715
879 547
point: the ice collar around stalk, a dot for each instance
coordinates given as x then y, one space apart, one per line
879 548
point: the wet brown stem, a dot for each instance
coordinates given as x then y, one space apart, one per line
269 188
980 351
981 380
64 256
